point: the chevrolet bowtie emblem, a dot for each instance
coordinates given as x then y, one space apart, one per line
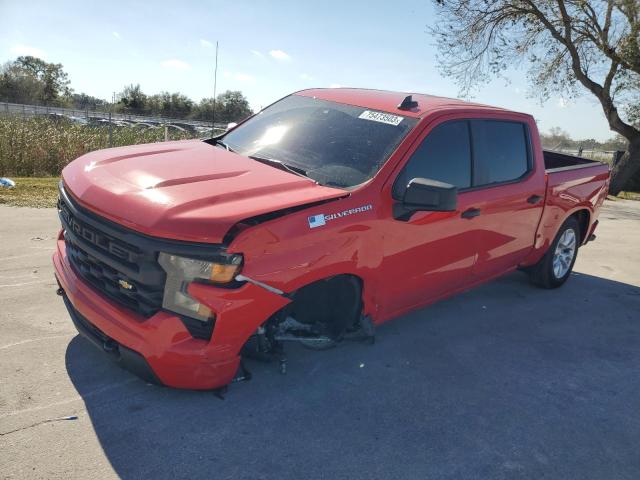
124 284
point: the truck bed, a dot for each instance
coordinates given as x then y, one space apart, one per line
556 161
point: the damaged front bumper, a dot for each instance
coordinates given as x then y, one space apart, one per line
160 348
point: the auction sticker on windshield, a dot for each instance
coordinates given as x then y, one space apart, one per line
381 117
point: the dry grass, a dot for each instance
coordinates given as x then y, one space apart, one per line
629 195
41 146
31 192
33 152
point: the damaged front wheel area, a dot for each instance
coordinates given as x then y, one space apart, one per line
320 315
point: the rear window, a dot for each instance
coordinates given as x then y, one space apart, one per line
500 151
334 144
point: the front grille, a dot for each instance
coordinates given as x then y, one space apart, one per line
141 298
123 264
122 271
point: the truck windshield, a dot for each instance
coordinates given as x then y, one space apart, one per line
332 143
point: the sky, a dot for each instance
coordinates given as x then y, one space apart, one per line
267 49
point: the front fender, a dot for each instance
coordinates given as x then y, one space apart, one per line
287 254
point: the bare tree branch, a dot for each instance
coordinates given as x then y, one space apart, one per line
568 45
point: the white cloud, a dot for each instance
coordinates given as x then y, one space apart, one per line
562 102
175 64
280 55
306 76
241 77
335 85
205 43
257 53
116 35
27 50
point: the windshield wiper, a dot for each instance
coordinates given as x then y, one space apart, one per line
281 165
224 145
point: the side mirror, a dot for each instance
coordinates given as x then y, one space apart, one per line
423 194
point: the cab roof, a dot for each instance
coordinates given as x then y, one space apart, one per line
388 101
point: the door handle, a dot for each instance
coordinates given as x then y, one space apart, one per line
470 213
533 199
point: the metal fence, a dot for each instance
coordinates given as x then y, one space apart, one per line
39 141
88 115
607 156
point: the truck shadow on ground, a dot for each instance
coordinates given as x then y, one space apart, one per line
506 380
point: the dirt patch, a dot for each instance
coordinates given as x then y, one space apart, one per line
31 192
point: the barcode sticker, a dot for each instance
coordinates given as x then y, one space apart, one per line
381 117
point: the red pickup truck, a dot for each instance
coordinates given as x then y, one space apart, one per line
327 213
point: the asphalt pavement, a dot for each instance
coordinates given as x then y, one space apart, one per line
505 381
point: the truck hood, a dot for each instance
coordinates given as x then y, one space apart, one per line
187 190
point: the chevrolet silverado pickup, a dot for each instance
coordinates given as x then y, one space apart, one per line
324 215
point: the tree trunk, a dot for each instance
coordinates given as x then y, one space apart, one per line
633 185
623 172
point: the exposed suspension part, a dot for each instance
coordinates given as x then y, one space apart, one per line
320 316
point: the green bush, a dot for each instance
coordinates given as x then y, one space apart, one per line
40 146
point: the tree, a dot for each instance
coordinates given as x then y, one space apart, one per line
84 101
55 81
132 100
32 80
231 106
617 142
17 86
557 139
175 105
572 46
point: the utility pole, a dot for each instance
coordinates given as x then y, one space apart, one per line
113 101
215 85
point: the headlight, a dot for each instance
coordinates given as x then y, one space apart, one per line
181 271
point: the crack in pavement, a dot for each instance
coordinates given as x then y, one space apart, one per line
73 399
22 342
50 420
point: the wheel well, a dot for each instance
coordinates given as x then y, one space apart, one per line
583 217
318 302
320 314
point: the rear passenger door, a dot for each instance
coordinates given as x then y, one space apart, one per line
506 195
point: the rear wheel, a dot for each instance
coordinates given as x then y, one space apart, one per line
555 267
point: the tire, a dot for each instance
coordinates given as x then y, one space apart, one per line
555 267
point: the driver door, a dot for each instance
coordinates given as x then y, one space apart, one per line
430 254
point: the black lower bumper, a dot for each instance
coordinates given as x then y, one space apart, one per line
123 356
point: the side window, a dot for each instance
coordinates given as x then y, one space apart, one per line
444 155
500 151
